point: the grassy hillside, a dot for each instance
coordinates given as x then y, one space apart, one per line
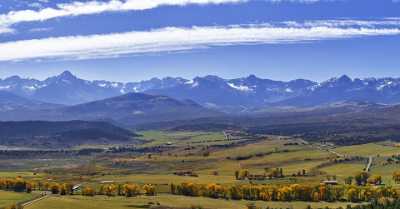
61 134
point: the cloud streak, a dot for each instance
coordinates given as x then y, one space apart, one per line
6 30
174 39
78 8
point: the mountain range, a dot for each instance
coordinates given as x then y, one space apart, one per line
210 91
354 109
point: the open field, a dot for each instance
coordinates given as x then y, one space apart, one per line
344 170
371 149
167 179
10 198
100 202
11 174
197 152
269 153
155 138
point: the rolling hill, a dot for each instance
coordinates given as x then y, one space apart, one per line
62 134
136 108
127 110
10 102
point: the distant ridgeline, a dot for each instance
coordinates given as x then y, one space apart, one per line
224 94
342 110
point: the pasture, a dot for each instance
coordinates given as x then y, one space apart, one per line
101 202
211 157
10 198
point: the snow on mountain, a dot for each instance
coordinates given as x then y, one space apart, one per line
241 87
249 91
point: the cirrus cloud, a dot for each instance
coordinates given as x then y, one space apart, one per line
173 39
78 8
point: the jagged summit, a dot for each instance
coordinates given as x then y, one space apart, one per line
210 90
67 75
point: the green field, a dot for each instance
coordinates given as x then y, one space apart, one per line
371 149
10 198
155 138
101 202
196 152
11 174
344 170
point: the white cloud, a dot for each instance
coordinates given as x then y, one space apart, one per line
387 22
77 8
174 39
298 1
6 30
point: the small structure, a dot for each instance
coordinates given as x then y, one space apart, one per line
256 177
107 182
76 188
331 182
186 173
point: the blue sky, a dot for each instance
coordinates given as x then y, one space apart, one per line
123 40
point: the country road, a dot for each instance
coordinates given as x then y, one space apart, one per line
368 168
327 149
24 205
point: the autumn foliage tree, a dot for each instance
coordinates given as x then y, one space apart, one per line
149 190
88 191
375 179
131 190
55 188
110 190
396 177
293 192
128 190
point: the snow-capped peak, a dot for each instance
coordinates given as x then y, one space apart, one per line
240 87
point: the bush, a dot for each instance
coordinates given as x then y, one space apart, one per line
88 191
55 188
149 190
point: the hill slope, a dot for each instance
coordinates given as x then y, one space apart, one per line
12 102
136 108
61 134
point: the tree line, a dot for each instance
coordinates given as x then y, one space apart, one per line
293 192
128 189
374 204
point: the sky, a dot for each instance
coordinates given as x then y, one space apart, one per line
132 40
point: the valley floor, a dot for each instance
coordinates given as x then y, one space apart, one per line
9 198
211 158
102 202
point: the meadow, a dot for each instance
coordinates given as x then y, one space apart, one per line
9 198
101 202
